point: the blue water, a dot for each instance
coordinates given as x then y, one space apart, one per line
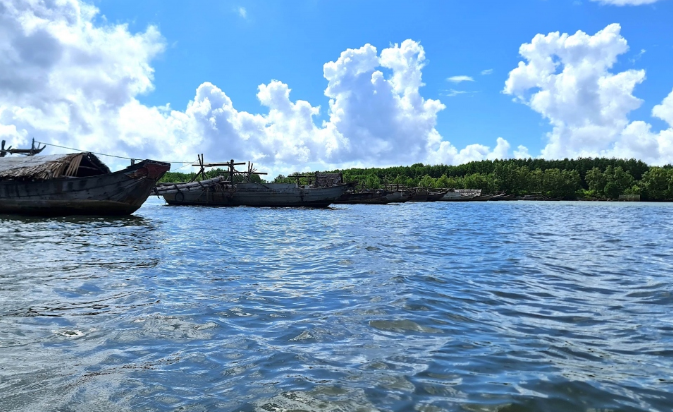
493 306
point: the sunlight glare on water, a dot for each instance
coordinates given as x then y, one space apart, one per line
497 306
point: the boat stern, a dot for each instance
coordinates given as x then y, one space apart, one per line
148 169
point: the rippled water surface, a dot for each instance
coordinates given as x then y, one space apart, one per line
498 306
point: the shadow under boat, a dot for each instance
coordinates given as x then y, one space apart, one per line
73 184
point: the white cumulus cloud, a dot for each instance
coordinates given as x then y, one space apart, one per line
567 79
69 80
458 79
454 92
444 150
62 79
521 152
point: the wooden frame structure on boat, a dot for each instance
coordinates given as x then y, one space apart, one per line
230 164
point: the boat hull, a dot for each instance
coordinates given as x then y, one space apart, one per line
456 197
118 193
367 198
257 195
398 197
426 197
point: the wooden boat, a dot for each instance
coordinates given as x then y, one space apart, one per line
425 195
435 196
230 191
461 195
74 184
375 197
482 198
220 191
398 196
502 197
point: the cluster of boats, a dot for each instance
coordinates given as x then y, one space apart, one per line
397 194
79 183
73 184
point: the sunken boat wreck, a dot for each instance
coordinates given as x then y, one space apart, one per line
366 197
73 184
235 188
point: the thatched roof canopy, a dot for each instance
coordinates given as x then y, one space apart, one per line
51 166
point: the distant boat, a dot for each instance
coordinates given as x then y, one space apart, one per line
426 195
369 197
227 191
74 184
220 191
398 196
462 195
502 197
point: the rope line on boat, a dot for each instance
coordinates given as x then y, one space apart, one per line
102 154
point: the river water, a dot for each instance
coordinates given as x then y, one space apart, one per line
493 306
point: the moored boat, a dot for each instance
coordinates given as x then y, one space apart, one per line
372 197
74 184
502 197
426 195
227 191
461 195
398 196
220 192
482 198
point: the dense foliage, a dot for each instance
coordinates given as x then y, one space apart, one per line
590 178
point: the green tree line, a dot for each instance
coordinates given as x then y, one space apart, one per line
587 178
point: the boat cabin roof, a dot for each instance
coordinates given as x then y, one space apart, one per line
47 167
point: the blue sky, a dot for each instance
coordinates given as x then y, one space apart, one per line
98 75
290 41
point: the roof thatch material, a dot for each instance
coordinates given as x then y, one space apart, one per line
50 166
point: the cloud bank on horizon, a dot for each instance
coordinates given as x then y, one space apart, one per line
66 79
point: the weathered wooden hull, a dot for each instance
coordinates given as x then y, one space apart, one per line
457 197
118 193
256 194
371 198
426 197
502 198
398 197
453 197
